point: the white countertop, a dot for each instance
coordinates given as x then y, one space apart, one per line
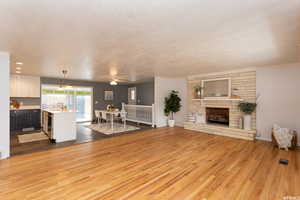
58 111
26 108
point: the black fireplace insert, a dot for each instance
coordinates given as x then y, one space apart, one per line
217 116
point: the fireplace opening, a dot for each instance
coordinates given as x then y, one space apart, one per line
218 116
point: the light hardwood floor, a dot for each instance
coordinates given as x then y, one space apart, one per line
164 163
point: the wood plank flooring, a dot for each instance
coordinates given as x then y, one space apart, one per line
84 134
164 163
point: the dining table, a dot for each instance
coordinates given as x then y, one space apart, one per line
112 114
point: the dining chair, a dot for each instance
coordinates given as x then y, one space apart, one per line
105 117
98 116
123 117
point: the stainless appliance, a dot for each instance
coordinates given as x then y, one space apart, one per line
47 124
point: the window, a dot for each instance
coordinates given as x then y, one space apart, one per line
132 95
77 99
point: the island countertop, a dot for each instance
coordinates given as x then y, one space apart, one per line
57 111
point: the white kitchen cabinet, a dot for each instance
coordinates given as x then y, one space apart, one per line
24 86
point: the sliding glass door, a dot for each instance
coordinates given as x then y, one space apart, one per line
83 104
77 99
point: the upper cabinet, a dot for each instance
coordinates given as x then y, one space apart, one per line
25 86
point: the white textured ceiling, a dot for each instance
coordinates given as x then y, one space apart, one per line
134 39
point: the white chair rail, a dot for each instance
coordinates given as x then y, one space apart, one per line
140 113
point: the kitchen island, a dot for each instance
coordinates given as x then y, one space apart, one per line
60 126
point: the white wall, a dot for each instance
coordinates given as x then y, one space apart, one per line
279 101
162 87
4 105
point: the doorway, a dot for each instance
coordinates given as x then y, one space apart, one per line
132 95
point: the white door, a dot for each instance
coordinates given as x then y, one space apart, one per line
132 95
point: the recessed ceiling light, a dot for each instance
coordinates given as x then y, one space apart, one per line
19 63
18 72
18 68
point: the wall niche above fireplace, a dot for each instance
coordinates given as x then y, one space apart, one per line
217 116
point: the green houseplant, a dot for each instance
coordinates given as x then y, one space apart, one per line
247 108
172 105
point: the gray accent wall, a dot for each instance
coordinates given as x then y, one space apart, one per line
120 91
144 93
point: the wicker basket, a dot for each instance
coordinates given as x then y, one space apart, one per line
294 140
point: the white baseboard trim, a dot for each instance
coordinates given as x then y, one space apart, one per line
2 156
264 139
269 140
179 124
161 125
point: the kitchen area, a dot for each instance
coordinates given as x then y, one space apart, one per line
51 112
34 125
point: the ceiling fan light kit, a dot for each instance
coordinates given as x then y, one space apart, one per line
113 83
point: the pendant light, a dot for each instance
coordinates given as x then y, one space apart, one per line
62 85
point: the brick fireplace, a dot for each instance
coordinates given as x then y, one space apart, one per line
223 111
243 85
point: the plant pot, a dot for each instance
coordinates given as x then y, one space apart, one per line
171 123
247 122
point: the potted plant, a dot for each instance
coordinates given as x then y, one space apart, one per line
172 105
198 91
247 108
